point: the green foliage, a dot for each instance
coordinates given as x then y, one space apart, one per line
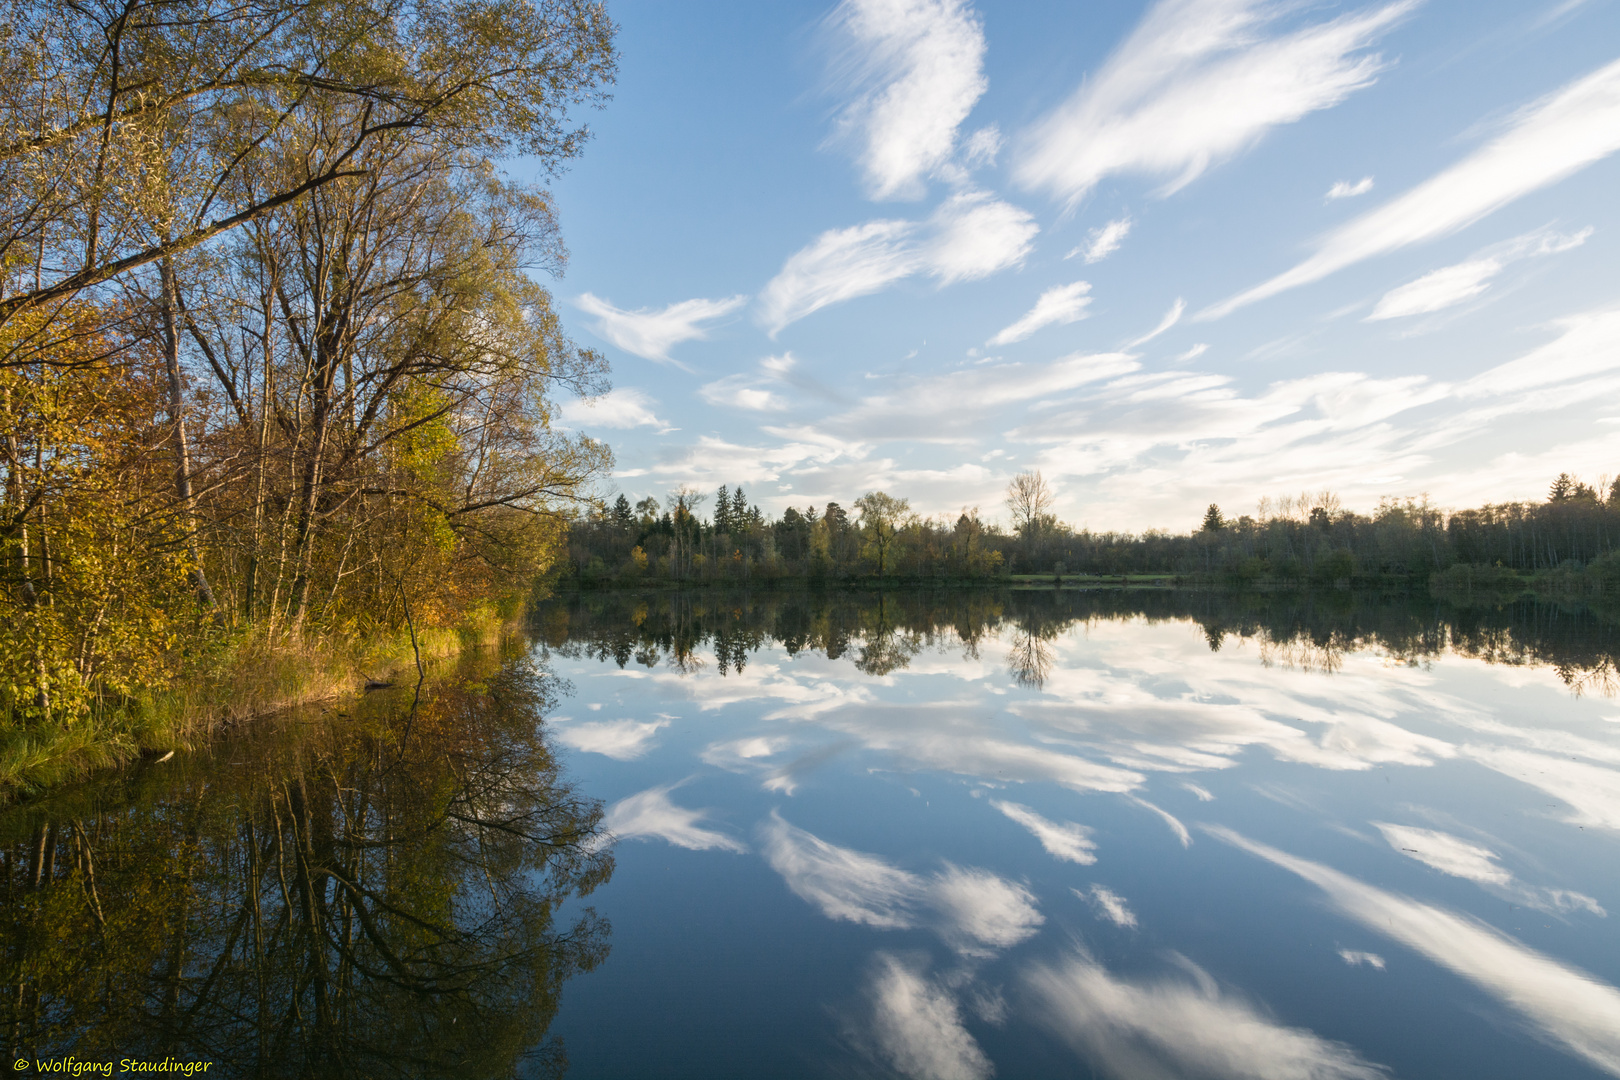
273 367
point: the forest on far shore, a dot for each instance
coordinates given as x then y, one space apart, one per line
1568 539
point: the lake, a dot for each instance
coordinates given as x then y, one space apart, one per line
1176 835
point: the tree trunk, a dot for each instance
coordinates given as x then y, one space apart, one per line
182 443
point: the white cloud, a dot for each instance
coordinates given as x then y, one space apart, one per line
1110 905
976 235
1437 289
843 883
918 1027
1588 345
1168 818
1459 858
980 912
1147 447
650 815
1061 839
1344 189
1170 319
920 66
651 334
1567 1006
1446 853
621 408
1061 304
838 265
1129 1028
1202 793
712 460
1451 285
1103 241
933 405
1591 791
1198 81
621 740
982 147
970 235
973 910
1356 959
1557 136
741 392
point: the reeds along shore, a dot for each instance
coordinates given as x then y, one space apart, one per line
232 679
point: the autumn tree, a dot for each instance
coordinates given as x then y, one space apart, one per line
882 517
272 347
107 108
1030 500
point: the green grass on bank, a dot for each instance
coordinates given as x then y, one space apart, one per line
239 676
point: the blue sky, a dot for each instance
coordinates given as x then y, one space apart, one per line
1169 254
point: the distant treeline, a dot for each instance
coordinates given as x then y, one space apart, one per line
1308 540
880 631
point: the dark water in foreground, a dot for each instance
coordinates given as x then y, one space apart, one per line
1176 836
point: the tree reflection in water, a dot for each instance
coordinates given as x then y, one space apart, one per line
888 629
374 895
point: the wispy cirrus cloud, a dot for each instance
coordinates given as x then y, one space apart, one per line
1061 839
1186 1026
1356 958
742 392
650 815
1461 858
971 235
1344 189
939 405
622 740
1453 285
1567 1006
976 235
838 265
1110 905
1059 305
650 333
1588 344
1103 241
1446 853
1196 82
917 68
973 910
917 1025
1437 290
622 408
1170 319
1549 140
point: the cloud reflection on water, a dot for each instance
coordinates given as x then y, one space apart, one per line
621 740
1563 1005
918 1027
1158 1029
1138 709
651 815
974 911
1061 839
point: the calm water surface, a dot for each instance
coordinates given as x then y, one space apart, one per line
1063 836
960 835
